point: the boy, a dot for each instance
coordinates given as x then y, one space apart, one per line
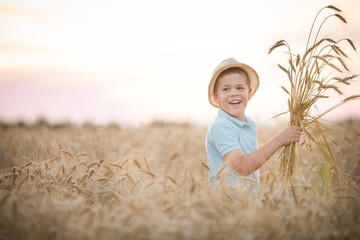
232 138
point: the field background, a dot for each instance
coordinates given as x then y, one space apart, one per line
150 182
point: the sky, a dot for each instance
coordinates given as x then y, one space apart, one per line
133 62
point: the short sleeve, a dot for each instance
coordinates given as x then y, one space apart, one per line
225 138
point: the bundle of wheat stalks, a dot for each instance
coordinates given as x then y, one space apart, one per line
312 75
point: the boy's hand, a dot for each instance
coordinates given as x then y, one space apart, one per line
289 135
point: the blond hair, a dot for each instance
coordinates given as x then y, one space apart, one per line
233 70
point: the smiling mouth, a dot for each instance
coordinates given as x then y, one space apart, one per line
235 102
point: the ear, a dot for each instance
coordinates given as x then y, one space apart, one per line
216 98
249 94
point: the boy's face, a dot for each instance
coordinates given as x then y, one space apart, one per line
232 93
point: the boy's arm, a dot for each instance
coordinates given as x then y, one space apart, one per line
247 164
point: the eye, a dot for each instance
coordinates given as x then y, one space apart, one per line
226 89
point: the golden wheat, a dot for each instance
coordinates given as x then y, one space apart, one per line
310 81
151 182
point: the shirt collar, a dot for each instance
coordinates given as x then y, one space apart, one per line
248 121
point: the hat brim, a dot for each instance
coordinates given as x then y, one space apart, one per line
253 77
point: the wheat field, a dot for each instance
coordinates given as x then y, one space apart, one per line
151 182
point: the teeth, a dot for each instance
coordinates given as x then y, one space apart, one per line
235 102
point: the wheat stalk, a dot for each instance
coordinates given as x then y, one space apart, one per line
308 84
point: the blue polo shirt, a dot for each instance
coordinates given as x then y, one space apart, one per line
224 135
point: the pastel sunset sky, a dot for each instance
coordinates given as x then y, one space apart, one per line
137 61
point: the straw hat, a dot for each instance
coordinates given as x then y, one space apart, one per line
230 63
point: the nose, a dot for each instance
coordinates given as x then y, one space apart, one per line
234 92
